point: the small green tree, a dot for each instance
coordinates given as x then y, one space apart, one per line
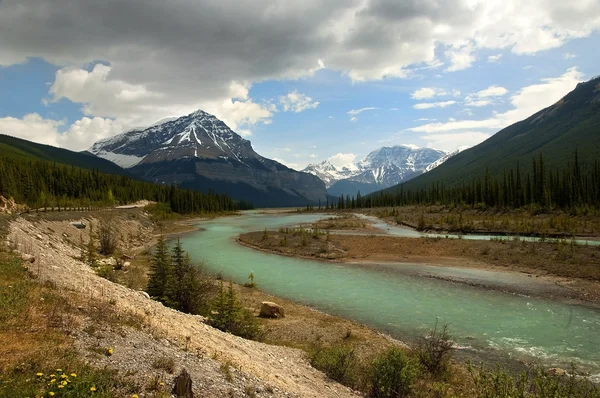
160 271
229 315
177 291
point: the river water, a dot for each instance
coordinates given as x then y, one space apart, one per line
406 304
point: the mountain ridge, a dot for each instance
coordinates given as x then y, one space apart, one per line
199 151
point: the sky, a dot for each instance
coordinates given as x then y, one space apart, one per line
304 80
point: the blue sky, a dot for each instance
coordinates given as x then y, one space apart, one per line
349 78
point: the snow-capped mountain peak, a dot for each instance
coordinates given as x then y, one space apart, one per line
381 168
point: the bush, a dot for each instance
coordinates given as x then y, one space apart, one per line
339 363
434 351
393 374
535 383
107 237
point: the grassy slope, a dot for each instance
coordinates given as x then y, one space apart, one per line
18 148
557 131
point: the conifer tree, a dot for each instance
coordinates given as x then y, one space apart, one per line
160 271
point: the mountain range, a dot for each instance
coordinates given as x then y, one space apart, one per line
199 151
382 168
557 132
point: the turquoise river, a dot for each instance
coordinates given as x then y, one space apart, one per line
404 304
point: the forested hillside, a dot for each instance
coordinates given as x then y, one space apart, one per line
23 149
40 183
576 187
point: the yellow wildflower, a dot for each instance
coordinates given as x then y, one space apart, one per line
134 396
59 370
39 374
61 386
64 383
63 376
109 351
92 388
53 381
51 393
52 375
73 375
162 384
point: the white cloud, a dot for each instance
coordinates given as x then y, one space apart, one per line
291 165
296 102
427 92
208 53
353 119
527 101
355 112
494 58
429 105
342 159
460 58
477 103
484 97
569 56
79 136
449 142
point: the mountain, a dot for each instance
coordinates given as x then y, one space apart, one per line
445 158
556 132
22 149
199 151
382 168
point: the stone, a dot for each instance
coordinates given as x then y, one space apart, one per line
28 258
269 309
143 293
183 385
557 372
108 261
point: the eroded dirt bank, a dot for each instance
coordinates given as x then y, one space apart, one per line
265 370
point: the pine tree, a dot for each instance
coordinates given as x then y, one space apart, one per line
160 271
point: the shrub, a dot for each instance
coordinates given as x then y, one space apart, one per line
107 236
338 362
393 374
165 363
434 351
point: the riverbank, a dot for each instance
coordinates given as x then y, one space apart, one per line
501 222
573 268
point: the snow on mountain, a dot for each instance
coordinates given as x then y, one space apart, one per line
445 157
199 151
382 168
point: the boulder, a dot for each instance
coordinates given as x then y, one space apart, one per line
28 258
557 372
108 261
271 310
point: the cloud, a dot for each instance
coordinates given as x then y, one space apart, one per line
340 160
494 58
291 165
79 136
429 105
460 58
449 142
484 97
296 102
569 56
355 112
169 61
527 101
427 92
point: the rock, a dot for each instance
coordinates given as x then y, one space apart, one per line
28 258
557 372
143 293
183 385
126 264
271 310
108 261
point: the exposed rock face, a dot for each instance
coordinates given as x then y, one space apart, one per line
269 309
199 151
7 206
